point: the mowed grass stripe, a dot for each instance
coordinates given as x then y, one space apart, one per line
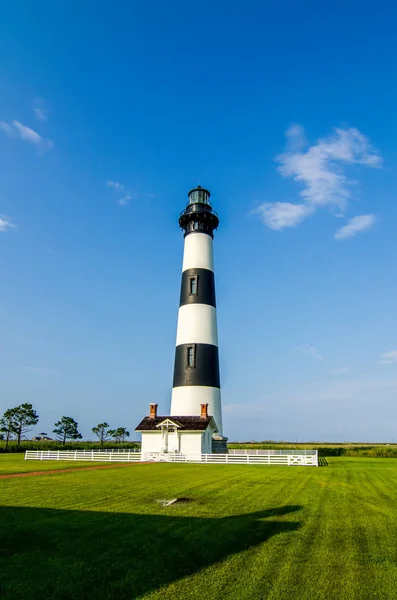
251 532
16 463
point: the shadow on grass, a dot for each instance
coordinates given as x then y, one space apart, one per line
62 554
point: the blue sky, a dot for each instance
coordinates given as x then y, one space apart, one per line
109 114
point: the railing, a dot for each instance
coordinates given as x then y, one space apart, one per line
132 456
112 450
304 452
83 455
236 459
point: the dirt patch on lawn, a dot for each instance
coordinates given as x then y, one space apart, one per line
52 471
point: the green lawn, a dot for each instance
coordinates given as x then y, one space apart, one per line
252 532
16 463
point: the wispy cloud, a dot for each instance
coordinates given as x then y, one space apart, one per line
125 195
354 226
40 109
17 129
341 371
124 201
320 170
41 114
6 127
278 215
4 224
309 350
115 185
388 358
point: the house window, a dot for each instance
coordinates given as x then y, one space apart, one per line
191 356
193 285
171 429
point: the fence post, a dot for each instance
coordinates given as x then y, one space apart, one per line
248 458
268 457
41 455
58 455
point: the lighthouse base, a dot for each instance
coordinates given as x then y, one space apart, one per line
219 444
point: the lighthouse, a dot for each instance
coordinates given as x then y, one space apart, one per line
195 421
196 368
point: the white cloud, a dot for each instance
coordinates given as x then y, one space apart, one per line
41 114
28 134
278 215
309 350
296 138
356 224
17 129
320 170
4 225
40 110
6 128
124 201
388 358
115 185
341 371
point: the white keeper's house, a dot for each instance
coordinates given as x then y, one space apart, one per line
186 434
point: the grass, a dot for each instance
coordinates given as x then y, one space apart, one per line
16 463
252 532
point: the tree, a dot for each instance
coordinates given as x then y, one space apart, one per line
6 425
22 419
112 433
67 428
101 431
119 434
122 433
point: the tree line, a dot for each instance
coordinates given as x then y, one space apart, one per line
18 421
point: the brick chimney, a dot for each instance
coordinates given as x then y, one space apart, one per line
204 411
153 411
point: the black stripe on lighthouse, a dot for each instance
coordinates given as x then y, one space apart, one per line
197 287
196 364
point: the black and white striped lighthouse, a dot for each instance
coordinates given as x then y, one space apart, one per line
196 370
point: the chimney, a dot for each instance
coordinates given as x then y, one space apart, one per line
153 411
204 411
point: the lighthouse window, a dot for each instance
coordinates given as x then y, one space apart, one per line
191 358
193 284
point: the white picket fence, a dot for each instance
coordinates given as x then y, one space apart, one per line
236 459
305 452
83 455
214 459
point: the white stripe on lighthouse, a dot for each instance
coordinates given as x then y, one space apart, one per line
186 401
198 252
197 324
